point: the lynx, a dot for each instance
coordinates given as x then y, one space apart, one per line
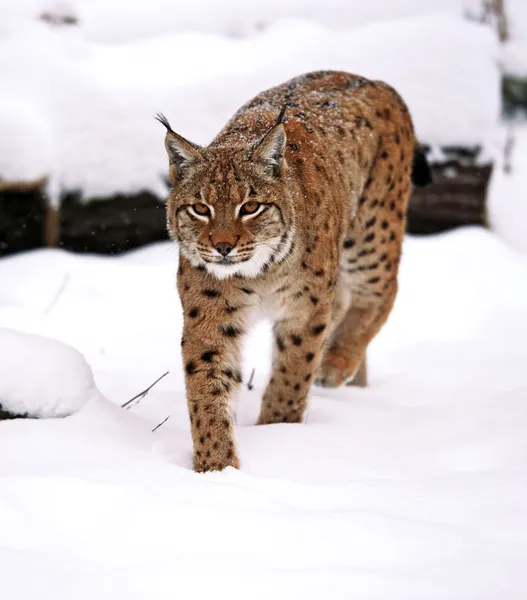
296 212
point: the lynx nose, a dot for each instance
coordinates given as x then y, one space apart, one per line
223 248
223 243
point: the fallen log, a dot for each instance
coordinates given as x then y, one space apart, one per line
456 197
111 225
114 224
22 215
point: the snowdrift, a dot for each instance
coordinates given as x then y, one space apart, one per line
42 378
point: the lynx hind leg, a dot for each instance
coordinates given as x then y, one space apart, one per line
344 359
360 379
370 255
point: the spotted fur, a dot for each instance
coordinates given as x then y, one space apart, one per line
324 162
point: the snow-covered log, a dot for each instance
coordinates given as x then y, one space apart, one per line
82 115
22 215
111 224
457 196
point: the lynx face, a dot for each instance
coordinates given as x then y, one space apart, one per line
230 209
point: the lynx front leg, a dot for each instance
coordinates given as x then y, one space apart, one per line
211 360
298 349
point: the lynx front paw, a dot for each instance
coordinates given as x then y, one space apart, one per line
277 417
336 370
214 460
285 412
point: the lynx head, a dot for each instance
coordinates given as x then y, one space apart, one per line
230 207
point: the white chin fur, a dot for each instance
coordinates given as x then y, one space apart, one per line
248 269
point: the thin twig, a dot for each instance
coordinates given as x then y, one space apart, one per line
250 382
162 423
507 152
141 395
58 293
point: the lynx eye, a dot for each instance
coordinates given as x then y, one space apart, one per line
201 209
249 208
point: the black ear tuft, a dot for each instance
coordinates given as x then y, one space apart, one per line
281 116
163 120
421 172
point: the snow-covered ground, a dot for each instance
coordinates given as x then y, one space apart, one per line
414 488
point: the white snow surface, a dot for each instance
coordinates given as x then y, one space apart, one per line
413 488
507 196
81 111
40 377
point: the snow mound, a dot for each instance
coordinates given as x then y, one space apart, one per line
26 143
117 21
98 100
41 377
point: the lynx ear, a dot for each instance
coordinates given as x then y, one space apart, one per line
270 149
182 154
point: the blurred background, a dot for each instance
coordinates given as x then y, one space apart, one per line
82 163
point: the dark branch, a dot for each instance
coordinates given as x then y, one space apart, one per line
142 394
162 423
250 382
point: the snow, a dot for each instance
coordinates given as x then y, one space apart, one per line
507 205
29 151
515 49
42 378
117 21
90 104
415 487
